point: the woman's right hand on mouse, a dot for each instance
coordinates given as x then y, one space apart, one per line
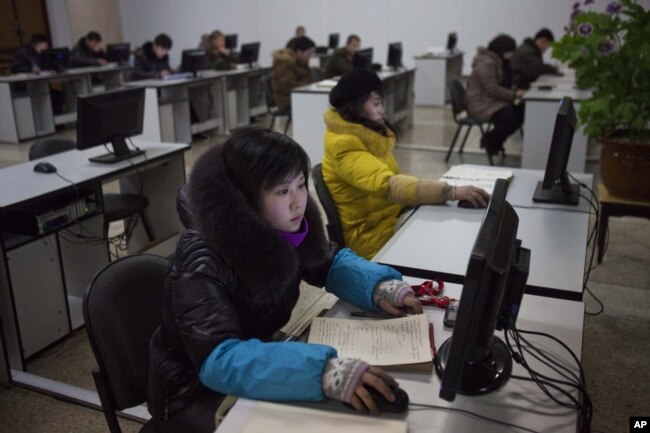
344 379
477 196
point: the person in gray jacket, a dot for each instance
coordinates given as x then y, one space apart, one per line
527 62
487 99
88 51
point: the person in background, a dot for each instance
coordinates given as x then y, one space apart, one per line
488 99
152 61
204 42
254 234
28 57
300 33
88 51
291 69
527 62
219 56
360 170
341 61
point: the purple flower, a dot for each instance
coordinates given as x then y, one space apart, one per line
614 8
575 13
606 47
576 5
588 2
585 29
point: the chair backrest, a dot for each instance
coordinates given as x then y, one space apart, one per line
122 309
268 91
457 93
50 146
317 74
334 229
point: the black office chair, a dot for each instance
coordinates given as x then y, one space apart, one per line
117 207
457 91
270 103
122 310
334 229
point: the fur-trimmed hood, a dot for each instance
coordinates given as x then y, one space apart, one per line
256 254
376 143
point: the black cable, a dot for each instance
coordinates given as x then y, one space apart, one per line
474 414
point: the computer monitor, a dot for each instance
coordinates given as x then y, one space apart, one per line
249 53
333 42
56 59
193 60
231 41
120 53
556 188
363 59
452 40
110 117
474 361
394 55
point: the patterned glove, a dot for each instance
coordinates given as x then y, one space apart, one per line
394 291
341 376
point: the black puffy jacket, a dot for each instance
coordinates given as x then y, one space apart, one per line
147 64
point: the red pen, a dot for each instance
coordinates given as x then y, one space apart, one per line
432 340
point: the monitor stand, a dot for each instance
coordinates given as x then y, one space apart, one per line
559 193
121 152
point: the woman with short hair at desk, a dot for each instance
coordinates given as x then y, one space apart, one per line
255 233
219 56
361 172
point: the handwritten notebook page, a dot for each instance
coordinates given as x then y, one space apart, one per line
403 340
272 418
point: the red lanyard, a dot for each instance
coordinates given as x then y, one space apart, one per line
429 293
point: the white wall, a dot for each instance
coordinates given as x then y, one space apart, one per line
418 24
57 14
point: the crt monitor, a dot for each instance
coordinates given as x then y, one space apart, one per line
119 53
556 188
56 59
333 42
452 40
249 53
231 41
394 55
363 58
193 60
474 361
110 117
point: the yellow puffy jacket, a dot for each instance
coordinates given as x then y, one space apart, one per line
363 177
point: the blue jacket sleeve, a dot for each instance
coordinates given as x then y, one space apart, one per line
353 278
267 371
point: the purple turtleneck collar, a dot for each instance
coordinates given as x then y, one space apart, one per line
295 239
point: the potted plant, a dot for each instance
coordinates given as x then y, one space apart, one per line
610 53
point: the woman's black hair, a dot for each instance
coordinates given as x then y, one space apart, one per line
353 112
258 159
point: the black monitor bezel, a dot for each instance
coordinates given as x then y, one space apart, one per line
394 47
452 41
333 41
231 41
115 52
48 56
193 53
251 47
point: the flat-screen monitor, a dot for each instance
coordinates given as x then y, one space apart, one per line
120 53
474 361
231 41
110 117
363 58
249 53
452 40
193 60
56 59
394 55
333 42
556 188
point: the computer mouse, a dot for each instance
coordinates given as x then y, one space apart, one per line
465 204
399 405
44 167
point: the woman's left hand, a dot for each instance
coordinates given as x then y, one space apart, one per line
412 305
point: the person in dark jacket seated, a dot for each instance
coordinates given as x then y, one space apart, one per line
527 62
88 51
219 57
341 61
256 233
28 58
152 61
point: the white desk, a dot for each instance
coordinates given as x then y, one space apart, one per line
26 106
539 121
518 402
43 277
308 104
434 74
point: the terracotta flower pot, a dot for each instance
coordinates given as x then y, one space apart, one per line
625 166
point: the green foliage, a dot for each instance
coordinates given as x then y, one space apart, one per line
610 53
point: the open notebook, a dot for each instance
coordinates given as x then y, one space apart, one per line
481 178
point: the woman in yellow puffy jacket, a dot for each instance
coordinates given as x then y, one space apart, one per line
361 172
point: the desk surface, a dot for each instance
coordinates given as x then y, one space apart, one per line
316 88
239 71
30 76
562 319
73 165
439 56
556 93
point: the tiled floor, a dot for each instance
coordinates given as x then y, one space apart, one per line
616 343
